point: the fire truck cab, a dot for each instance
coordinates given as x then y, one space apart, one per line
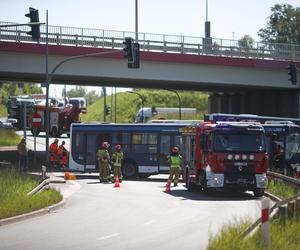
225 155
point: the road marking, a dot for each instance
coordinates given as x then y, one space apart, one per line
108 236
149 222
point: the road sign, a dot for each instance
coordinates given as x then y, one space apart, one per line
36 120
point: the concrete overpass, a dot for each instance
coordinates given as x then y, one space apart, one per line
253 82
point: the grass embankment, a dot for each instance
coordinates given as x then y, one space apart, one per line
8 137
283 236
13 194
3 110
128 104
281 190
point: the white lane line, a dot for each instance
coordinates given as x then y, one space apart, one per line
149 222
108 236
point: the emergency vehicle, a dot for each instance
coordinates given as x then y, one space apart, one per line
282 139
60 119
225 155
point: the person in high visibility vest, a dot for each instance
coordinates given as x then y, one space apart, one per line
103 160
117 159
53 153
174 159
63 155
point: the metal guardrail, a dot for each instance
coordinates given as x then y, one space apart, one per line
112 39
282 206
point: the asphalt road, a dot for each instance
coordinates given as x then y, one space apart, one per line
138 215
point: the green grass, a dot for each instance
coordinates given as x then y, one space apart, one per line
8 137
128 105
3 110
280 189
283 236
13 194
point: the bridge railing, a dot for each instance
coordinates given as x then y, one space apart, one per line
98 38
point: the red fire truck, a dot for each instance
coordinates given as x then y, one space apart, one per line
225 155
60 119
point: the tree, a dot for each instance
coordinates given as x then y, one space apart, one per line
246 42
283 25
91 97
79 91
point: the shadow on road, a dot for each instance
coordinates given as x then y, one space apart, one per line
200 195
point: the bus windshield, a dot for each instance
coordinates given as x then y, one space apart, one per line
239 142
292 150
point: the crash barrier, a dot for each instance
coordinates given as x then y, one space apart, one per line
5 164
45 183
283 209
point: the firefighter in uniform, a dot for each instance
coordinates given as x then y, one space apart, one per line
103 160
174 159
117 159
53 153
63 154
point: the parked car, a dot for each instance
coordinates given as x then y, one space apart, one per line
6 125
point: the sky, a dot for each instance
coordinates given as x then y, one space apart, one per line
230 19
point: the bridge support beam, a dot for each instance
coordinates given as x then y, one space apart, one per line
268 103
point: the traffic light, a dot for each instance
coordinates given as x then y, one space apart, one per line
293 73
128 49
136 57
35 28
107 110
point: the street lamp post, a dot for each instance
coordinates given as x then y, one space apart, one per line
179 101
142 99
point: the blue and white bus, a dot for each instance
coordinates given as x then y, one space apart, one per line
144 145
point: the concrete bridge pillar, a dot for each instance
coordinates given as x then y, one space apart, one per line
267 103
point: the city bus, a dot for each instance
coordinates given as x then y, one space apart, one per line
145 146
214 117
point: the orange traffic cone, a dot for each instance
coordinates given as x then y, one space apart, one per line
168 187
67 175
117 182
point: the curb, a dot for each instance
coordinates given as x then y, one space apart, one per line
33 214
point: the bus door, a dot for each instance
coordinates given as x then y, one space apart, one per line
145 152
165 146
102 137
167 142
90 152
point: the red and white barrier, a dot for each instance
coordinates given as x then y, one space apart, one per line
265 215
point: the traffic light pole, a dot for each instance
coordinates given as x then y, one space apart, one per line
51 75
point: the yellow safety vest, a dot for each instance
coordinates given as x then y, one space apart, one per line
175 161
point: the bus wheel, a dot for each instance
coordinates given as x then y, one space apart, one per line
129 169
258 192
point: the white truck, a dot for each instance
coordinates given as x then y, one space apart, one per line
148 113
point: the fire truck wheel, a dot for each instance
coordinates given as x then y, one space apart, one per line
188 184
259 192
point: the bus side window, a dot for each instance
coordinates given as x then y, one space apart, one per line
144 143
123 139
